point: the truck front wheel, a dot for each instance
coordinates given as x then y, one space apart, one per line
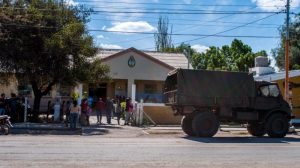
277 126
186 125
205 124
256 129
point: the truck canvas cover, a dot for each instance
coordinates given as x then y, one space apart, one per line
203 87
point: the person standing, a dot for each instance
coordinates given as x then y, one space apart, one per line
62 110
84 108
100 108
67 111
74 114
109 107
128 111
57 111
118 111
13 107
88 114
2 104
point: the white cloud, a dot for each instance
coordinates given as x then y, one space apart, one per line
200 48
110 46
274 5
100 36
70 2
140 26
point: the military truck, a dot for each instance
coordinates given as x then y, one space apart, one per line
206 98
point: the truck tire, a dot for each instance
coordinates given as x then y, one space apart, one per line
277 126
186 125
205 124
256 129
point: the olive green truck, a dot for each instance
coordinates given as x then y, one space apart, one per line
206 98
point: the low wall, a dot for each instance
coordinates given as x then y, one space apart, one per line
161 114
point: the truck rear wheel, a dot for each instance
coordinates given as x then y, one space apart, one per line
186 125
277 126
256 129
205 124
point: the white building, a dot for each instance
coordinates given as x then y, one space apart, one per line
144 70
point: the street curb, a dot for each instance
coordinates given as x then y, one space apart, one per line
39 128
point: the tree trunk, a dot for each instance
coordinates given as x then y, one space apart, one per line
38 94
36 107
37 100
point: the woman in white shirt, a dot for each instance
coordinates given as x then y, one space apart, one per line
74 114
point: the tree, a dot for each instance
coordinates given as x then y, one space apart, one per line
236 57
45 43
180 49
294 52
163 38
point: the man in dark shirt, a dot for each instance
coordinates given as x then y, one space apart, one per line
2 104
100 108
109 107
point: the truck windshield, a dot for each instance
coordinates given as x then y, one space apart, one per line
171 83
269 91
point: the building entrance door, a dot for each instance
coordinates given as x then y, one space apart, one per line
100 91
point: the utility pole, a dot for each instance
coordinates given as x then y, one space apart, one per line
189 57
286 85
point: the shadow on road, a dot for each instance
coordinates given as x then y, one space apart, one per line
243 140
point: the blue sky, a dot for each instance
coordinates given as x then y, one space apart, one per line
112 16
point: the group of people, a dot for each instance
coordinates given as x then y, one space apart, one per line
12 106
114 108
110 108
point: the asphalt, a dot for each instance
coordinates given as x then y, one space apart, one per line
115 130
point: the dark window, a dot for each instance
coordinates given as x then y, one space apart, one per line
150 88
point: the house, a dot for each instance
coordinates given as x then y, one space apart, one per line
137 74
140 75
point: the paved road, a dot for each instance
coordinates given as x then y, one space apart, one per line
223 151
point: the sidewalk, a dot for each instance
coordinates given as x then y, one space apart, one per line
112 129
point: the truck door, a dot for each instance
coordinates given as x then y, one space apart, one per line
268 97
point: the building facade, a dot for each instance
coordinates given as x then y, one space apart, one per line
136 74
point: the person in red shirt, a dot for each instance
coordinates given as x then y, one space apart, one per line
128 111
84 108
100 108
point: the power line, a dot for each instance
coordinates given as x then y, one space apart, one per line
151 10
212 35
174 4
136 32
186 13
107 8
187 19
32 26
180 34
219 18
204 25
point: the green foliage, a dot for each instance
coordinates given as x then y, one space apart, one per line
236 57
45 42
294 51
162 38
182 48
